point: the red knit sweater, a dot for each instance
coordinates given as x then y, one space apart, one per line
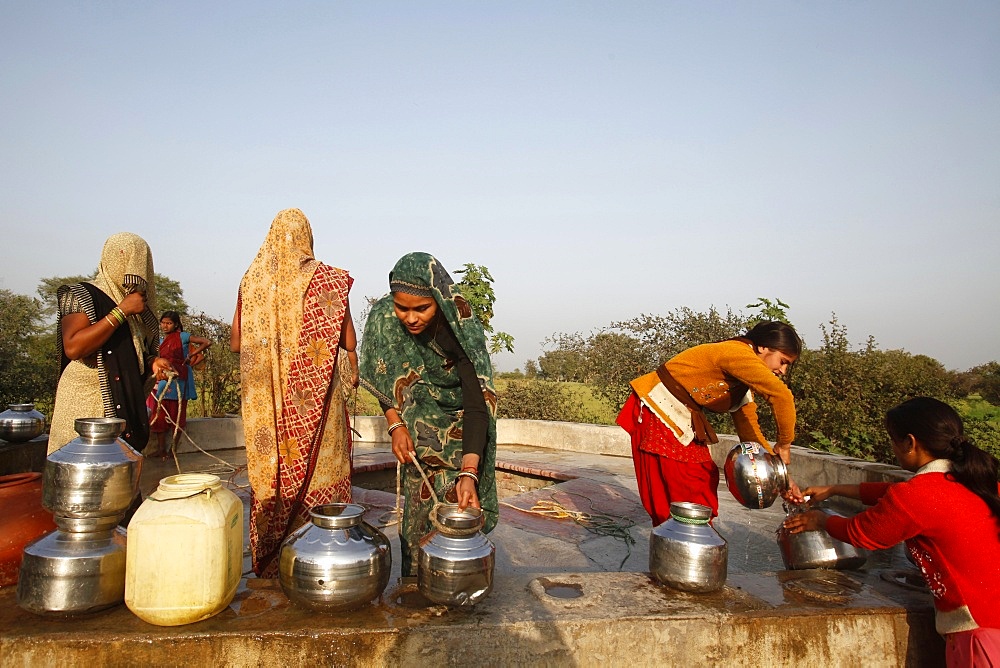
951 535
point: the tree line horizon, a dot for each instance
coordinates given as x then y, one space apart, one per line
841 393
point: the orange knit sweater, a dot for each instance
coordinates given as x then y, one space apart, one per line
717 375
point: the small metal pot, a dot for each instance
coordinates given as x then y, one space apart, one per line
754 476
21 422
336 562
818 549
686 552
455 563
91 481
65 573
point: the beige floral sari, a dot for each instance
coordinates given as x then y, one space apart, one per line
294 385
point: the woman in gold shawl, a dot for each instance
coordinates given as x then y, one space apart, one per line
292 323
108 336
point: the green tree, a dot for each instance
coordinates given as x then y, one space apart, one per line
983 380
566 361
218 383
28 364
477 288
769 311
842 395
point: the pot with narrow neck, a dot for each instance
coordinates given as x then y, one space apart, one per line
754 476
455 562
817 549
21 422
336 562
686 552
90 482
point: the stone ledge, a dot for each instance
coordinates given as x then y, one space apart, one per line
619 618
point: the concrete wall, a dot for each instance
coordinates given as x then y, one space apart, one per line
809 467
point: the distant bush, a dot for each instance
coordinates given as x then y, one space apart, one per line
542 400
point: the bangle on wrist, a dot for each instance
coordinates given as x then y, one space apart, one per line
471 469
114 325
467 474
118 315
396 425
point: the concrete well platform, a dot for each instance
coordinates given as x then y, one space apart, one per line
563 594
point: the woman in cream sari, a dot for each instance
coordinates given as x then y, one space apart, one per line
292 323
108 335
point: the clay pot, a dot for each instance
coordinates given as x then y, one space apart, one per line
23 520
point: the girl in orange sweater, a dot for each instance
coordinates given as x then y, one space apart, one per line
665 413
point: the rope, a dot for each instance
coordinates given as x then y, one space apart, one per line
222 467
601 524
447 531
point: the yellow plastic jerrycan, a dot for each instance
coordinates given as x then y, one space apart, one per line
184 553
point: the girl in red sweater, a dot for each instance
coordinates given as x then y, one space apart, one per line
949 516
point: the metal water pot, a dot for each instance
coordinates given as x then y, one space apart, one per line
754 476
818 549
67 573
21 422
89 483
686 552
336 562
455 562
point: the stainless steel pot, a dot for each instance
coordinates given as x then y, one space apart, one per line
336 562
686 552
455 563
754 476
21 422
65 573
89 483
818 549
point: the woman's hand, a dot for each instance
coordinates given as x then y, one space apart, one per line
468 495
793 494
819 493
813 520
162 366
402 445
785 452
133 304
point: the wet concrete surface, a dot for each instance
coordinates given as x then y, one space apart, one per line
564 594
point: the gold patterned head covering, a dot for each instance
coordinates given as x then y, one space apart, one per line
271 296
126 267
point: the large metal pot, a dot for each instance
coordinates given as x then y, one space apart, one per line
818 549
21 422
65 573
754 476
686 552
336 562
90 482
455 563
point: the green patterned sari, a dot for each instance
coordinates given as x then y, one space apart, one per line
411 374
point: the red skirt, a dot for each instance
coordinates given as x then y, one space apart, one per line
662 479
171 412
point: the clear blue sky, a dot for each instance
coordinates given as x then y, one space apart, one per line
603 159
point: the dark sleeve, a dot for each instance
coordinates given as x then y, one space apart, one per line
476 421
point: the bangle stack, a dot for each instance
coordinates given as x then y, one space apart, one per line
116 317
464 473
396 425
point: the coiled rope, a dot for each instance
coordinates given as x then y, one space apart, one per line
601 524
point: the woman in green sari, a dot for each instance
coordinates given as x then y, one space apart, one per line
424 358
